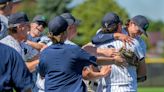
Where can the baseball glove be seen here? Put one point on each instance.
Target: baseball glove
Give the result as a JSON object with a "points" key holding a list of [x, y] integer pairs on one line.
{"points": [[129, 57]]}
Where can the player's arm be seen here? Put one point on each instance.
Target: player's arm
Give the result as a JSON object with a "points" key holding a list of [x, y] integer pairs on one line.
{"points": [[141, 71], [141, 67], [90, 73], [90, 48], [32, 65], [35, 45], [21, 76], [105, 56], [100, 38]]}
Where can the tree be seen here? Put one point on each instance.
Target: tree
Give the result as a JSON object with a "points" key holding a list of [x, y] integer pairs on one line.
{"points": [[90, 13], [156, 26], [48, 8], [51, 8], [27, 6]]}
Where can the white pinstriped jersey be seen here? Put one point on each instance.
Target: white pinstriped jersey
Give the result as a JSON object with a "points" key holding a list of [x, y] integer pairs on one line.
{"points": [[121, 79], [139, 39]]}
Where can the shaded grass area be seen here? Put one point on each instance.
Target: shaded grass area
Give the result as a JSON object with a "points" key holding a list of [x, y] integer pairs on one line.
{"points": [[151, 89]]}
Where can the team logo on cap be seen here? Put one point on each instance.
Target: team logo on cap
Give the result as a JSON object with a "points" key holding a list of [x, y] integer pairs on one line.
{"points": [[146, 26], [106, 25]]}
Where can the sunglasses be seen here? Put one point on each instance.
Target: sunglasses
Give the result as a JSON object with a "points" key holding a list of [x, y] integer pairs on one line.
{"points": [[42, 23]]}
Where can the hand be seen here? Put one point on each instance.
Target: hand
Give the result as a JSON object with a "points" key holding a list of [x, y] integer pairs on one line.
{"points": [[105, 70], [43, 48], [124, 38], [119, 60], [90, 48]]}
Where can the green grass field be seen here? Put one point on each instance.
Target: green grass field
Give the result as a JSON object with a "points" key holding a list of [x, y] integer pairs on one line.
{"points": [[151, 89]]}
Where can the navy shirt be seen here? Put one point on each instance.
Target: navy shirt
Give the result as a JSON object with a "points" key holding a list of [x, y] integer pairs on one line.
{"points": [[62, 65], [13, 71]]}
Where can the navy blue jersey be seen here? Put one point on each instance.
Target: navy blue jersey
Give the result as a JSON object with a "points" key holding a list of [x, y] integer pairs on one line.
{"points": [[61, 65], [13, 71]]}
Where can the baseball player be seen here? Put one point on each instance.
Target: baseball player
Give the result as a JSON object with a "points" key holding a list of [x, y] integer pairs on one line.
{"points": [[18, 27], [34, 44], [124, 78], [13, 71], [64, 74], [130, 29], [5, 10], [71, 33]]}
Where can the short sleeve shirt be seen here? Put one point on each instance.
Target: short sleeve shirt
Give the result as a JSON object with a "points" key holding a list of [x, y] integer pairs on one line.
{"points": [[13, 71], [61, 65]]}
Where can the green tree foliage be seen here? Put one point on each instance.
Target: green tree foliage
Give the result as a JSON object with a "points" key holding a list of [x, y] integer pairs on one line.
{"points": [[90, 13], [29, 7], [51, 8], [156, 26]]}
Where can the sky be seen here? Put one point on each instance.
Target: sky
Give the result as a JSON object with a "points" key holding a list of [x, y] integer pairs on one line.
{"points": [[153, 9]]}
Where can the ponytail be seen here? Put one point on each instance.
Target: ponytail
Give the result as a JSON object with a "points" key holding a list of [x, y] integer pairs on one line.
{"points": [[56, 39]]}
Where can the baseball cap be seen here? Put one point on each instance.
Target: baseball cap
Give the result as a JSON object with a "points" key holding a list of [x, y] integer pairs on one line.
{"points": [[142, 23], [109, 19], [17, 18], [4, 1], [70, 19], [16, 1], [57, 25], [40, 19]]}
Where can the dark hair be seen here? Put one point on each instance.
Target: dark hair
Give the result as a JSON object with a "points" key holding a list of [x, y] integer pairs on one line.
{"points": [[12, 30], [127, 23], [113, 28]]}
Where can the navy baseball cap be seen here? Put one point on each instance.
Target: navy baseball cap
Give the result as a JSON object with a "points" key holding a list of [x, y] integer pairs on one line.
{"points": [[109, 19], [142, 23], [70, 19], [40, 19], [17, 18], [57, 25], [4, 1]]}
